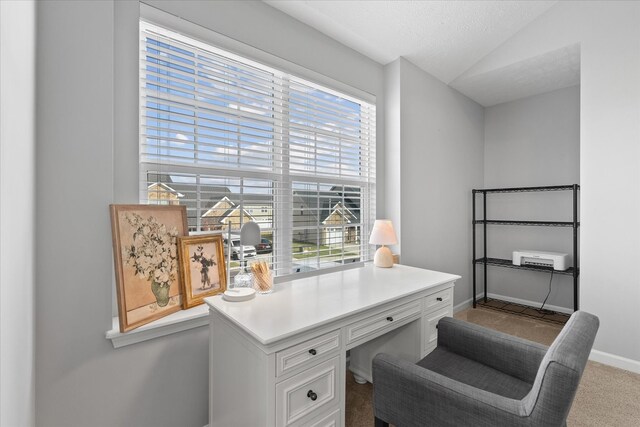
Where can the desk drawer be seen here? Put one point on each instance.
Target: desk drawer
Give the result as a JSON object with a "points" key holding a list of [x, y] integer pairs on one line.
{"points": [[306, 353], [430, 327], [380, 321], [438, 300], [331, 420], [306, 394]]}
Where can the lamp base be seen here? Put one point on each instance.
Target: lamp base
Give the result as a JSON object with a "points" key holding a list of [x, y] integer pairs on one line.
{"points": [[383, 257]]}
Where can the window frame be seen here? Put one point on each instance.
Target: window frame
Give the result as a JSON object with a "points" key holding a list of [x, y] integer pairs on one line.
{"points": [[126, 162], [281, 224]]}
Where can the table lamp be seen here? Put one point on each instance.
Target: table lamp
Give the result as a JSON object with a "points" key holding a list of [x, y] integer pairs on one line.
{"points": [[250, 234], [383, 234]]}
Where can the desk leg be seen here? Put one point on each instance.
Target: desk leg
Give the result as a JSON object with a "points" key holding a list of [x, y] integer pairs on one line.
{"points": [[359, 379]]}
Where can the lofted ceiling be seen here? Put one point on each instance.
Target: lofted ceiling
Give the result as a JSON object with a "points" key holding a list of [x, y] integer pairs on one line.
{"points": [[444, 38]]}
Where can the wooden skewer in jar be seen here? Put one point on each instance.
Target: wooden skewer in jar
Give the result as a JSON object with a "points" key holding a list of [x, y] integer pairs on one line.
{"points": [[262, 278]]}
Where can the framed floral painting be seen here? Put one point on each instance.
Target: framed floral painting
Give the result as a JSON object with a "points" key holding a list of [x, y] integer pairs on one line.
{"points": [[202, 268], [145, 252]]}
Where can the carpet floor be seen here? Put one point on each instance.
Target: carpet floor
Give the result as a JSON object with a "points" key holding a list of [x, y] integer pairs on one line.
{"points": [[606, 396]]}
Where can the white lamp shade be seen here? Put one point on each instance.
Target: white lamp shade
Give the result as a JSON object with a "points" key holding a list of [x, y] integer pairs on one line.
{"points": [[383, 233], [250, 234]]}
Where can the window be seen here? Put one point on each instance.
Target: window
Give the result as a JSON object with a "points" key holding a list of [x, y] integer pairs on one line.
{"points": [[237, 141]]}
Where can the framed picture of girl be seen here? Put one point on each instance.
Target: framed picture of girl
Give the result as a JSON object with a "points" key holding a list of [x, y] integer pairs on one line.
{"points": [[202, 268]]}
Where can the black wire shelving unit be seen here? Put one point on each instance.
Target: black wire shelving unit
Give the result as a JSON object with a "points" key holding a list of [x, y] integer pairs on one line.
{"points": [[487, 261]]}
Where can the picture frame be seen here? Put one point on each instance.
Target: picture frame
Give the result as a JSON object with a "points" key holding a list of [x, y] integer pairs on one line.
{"points": [[145, 253], [202, 268]]}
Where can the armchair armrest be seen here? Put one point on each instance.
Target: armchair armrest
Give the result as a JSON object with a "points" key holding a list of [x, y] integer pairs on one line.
{"points": [[406, 394], [512, 355]]}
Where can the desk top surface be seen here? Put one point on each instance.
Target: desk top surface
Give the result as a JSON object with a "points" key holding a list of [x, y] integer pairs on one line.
{"points": [[303, 304]]}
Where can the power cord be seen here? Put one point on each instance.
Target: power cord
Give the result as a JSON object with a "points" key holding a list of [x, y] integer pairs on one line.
{"points": [[541, 309]]}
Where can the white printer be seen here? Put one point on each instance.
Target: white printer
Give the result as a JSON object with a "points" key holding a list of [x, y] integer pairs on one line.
{"points": [[556, 260]]}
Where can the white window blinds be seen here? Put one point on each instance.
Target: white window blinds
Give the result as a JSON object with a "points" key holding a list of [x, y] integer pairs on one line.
{"points": [[238, 141]]}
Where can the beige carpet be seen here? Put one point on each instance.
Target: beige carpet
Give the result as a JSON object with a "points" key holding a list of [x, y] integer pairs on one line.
{"points": [[606, 396]]}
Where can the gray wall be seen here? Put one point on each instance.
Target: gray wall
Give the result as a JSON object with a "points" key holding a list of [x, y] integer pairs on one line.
{"points": [[609, 38], [86, 159], [17, 212], [440, 145], [531, 142], [86, 135]]}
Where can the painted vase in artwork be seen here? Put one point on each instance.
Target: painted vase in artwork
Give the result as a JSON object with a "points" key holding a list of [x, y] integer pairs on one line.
{"points": [[153, 254], [161, 293]]}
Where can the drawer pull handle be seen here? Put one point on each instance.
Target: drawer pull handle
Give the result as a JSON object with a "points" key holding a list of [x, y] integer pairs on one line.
{"points": [[439, 299], [390, 319], [311, 395], [312, 351]]}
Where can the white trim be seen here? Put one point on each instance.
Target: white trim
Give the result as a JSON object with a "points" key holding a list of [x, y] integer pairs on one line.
{"points": [[233, 210], [527, 302], [463, 305], [177, 322], [204, 215], [162, 184], [469, 302], [335, 208], [615, 361]]}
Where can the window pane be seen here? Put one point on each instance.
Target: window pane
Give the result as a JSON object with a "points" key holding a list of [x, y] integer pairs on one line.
{"points": [[236, 141], [326, 225]]}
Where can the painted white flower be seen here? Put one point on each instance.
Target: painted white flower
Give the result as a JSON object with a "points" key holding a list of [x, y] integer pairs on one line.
{"points": [[153, 253]]}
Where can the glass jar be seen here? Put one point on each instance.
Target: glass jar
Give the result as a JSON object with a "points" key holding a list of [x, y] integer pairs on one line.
{"points": [[244, 279], [263, 280]]}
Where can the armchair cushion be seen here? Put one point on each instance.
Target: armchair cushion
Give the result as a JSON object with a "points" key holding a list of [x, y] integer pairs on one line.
{"points": [[514, 356], [407, 395], [475, 374]]}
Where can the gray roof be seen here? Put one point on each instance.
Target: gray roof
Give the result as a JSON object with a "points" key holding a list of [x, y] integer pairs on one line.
{"points": [[213, 194]]}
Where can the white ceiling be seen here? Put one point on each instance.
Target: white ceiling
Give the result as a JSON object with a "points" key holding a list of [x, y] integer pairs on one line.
{"points": [[444, 38], [543, 73]]}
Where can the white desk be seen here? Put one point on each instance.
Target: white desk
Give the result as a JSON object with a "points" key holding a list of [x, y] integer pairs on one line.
{"points": [[280, 359]]}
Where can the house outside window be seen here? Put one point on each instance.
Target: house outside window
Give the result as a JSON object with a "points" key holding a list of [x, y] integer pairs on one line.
{"points": [[235, 141]]}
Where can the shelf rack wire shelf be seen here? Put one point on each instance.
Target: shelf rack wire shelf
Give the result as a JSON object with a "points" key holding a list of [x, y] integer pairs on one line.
{"points": [[529, 189], [507, 263], [534, 223], [486, 261]]}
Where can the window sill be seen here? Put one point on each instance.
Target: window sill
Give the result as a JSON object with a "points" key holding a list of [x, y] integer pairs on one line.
{"points": [[176, 322], [195, 317]]}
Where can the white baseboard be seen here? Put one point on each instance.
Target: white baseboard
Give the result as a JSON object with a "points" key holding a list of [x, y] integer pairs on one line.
{"points": [[615, 361], [463, 305], [526, 302], [469, 302]]}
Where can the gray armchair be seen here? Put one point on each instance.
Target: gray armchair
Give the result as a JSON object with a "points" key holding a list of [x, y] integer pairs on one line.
{"points": [[481, 377]]}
